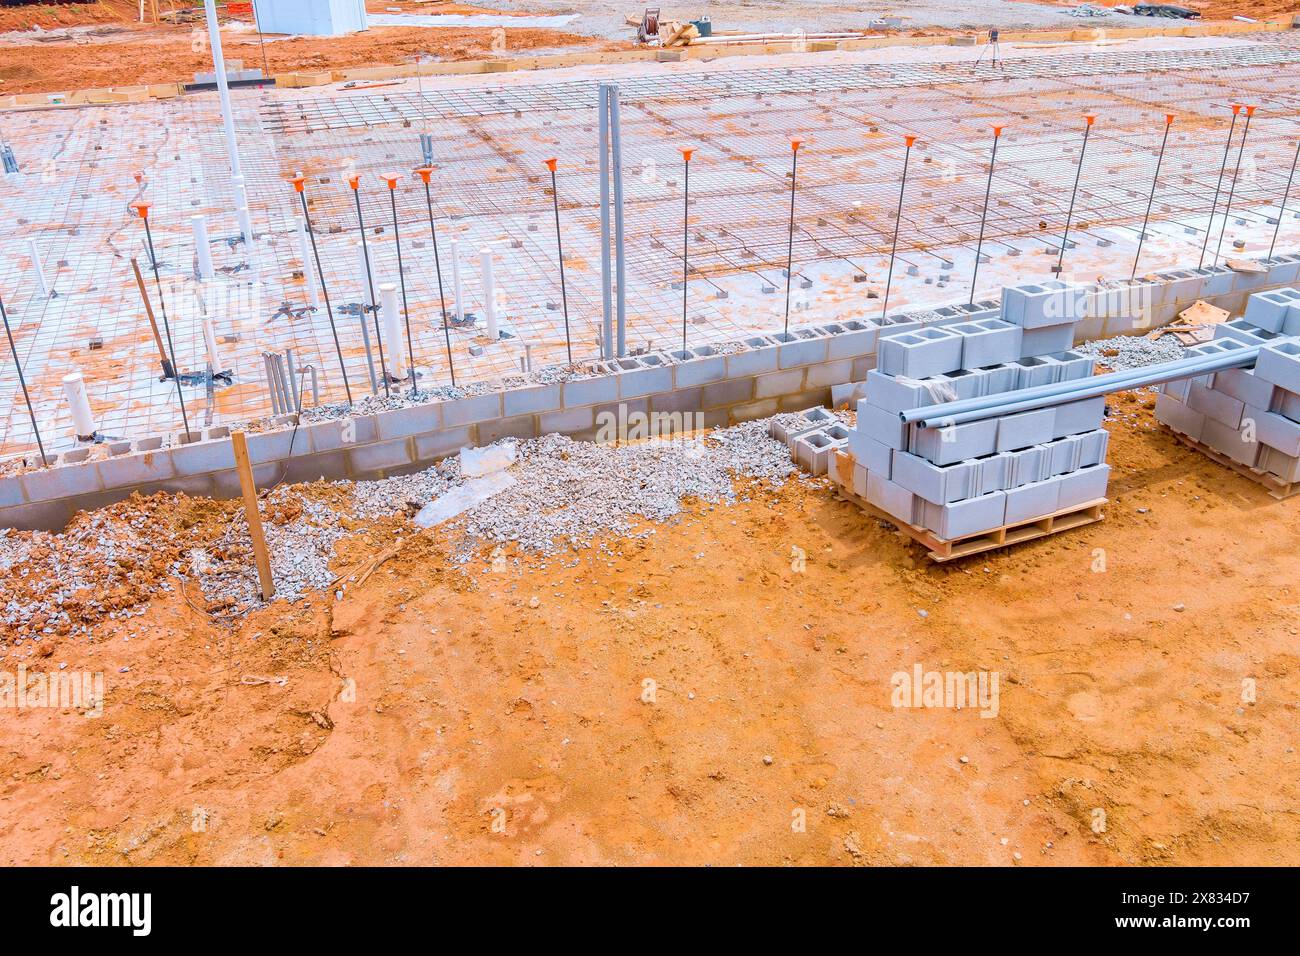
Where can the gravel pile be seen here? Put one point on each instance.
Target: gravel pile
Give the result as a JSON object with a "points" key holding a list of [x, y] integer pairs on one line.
{"points": [[1124, 352]]}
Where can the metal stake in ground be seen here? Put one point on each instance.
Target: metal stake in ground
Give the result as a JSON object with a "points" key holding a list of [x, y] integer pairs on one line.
{"points": [[686, 219], [1160, 158], [789, 249], [1078, 173], [1232, 187], [424, 173], [355, 182], [401, 276], [299, 187], [988, 191], [898, 218], [142, 209], [23, 382], [1209, 226], [1285, 194], [559, 250]]}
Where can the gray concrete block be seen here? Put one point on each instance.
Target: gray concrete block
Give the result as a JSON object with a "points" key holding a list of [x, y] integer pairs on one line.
{"points": [[994, 473], [567, 422], [1074, 418], [943, 446], [1036, 305], [1215, 404], [637, 379], [343, 433], [1268, 310], [1025, 428], [196, 458], [682, 400], [1179, 417], [731, 391], [1231, 442], [1279, 464], [1047, 339], [882, 425], [1279, 363], [61, 481], [873, 455], [530, 401], [920, 353], [1276, 431], [397, 423], [940, 484], [752, 362], [1243, 332], [700, 371], [858, 338], [861, 366], [1082, 486], [794, 349], [589, 391], [1032, 501], [751, 410], [828, 374], [894, 499], [379, 456], [126, 470], [988, 342], [274, 445], [964, 518], [466, 411], [779, 383], [812, 450], [439, 444], [1093, 446], [522, 427], [11, 491]]}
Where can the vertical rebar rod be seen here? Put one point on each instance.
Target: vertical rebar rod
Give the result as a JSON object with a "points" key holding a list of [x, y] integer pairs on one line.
{"points": [[1285, 194], [988, 192], [1160, 158], [401, 277], [143, 210], [606, 260], [559, 250], [789, 249], [1078, 174], [686, 221], [424, 173], [898, 219], [22, 381], [620, 263], [1232, 187], [298, 184], [370, 284], [1227, 148]]}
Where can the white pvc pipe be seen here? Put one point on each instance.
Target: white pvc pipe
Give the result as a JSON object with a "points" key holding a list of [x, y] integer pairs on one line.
{"points": [[74, 389], [363, 274], [392, 316], [201, 246], [37, 268], [308, 270], [210, 340], [455, 279], [489, 293], [227, 118]]}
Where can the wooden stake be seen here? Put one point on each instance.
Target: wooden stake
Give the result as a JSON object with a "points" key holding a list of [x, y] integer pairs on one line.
{"points": [[260, 554], [168, 371]]}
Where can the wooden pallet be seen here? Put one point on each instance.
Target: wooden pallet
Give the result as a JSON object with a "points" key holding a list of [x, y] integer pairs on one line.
{"points": [[1274, 485], [951, 549]]}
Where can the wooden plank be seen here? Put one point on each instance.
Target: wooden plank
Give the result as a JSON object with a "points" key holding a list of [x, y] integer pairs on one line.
{"points": [[260, 554], [168, 371]]}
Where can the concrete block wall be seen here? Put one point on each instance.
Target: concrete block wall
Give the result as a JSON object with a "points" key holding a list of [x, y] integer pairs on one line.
{"points": [[721, 383], [1249, 415]]}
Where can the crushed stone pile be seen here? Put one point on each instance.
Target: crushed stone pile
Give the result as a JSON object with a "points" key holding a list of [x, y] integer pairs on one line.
{"points": [[1124, 352]]}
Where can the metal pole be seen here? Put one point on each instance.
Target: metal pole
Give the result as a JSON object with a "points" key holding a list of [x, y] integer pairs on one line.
{"points": [[299, 185], [401, 276], [424, 173], [227, 116], [1282, 212], [988, 192], [1078, 174], [355, 183], [620, 272], [1209, 227], [898, 219], [1160, 158], [559, 248], [606, 267], [789, 249], [23, 382], [142, 208], [1232, 187], [686, 222]]}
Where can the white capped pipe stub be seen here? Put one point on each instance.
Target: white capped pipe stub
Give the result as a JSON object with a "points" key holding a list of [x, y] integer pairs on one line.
{"points": [[489, 293], [455, 279], [74, 389], [210, 340], [308, 270], [394, 347], [37, 268], [202, 248]]}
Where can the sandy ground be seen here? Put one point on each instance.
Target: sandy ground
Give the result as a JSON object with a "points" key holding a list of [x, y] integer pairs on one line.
{"points": [[439, 716]]}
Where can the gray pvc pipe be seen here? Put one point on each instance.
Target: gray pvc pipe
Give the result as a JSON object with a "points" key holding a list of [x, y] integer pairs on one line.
{"points": [[935, 416]]}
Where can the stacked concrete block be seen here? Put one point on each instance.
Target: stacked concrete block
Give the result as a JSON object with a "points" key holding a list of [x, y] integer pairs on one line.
{"points": [[1046, 313], [977, 476], [1249, 415]]}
